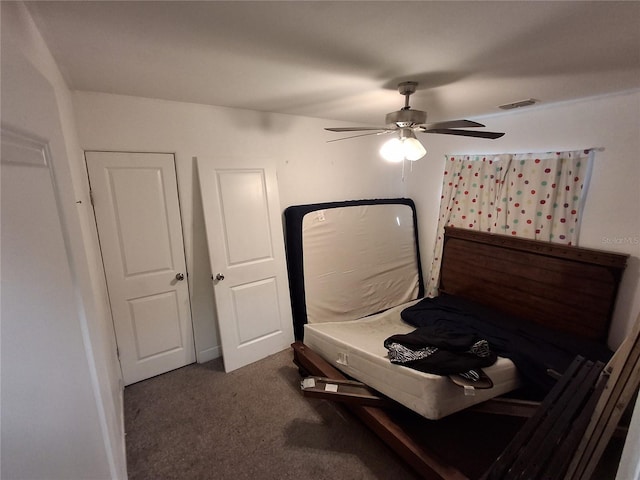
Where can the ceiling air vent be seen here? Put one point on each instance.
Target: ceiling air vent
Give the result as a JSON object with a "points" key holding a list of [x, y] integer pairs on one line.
{"points": [[521, 103]]}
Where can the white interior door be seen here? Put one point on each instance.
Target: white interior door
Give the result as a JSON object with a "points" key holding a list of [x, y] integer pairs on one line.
{"points": [[246, 251], [137, 212]]}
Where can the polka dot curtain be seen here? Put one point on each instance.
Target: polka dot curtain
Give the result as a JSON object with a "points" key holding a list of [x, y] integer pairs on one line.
{"points": [[536, 196]]}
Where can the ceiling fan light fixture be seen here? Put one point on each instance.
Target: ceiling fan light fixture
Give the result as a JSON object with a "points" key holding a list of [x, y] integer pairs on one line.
{"points": [[392, 150], [406, 122], [413, 149], [406, 147]]}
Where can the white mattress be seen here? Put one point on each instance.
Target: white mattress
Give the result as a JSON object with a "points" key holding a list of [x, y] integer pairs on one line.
{"points": [[356, 348]]}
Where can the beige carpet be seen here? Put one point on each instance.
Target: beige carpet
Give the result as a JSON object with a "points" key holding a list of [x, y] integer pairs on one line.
{"points": [[200, 423]]}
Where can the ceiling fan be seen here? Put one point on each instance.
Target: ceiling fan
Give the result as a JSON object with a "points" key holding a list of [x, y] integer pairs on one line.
{"points": [[407, 122]]}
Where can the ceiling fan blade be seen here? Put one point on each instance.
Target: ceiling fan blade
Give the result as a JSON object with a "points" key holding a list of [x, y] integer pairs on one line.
{"points": [[451, 124], [361, 135], [465, 133], [355, 129]]}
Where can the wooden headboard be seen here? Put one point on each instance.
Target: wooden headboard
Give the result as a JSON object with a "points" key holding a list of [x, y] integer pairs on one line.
{"points": [[570, 289]]}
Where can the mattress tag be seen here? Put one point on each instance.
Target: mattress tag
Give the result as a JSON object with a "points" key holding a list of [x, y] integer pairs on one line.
{"points": [[308, 382], [343, 359], [320, 215], [331, 387], [469, 391]]}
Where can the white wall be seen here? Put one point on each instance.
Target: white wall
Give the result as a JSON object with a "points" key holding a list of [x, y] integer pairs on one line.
{"points": [[309, 169], [611, 219], [29, 72]]}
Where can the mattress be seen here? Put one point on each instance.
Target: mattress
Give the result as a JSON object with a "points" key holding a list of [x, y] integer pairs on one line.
{"points": [[356, 348], [348, 260]]}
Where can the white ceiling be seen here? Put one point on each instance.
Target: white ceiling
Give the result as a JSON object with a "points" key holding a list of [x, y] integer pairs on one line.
{"points": [[342, 60]]}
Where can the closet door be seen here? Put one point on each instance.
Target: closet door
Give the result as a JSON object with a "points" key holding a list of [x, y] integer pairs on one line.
{"points": [[135, 200]]}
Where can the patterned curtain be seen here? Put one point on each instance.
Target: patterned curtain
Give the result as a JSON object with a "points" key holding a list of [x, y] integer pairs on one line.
{"points": [[536, 196]]}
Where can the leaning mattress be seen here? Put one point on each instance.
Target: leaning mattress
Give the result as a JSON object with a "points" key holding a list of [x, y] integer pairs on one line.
{"points": [[356, 348]]}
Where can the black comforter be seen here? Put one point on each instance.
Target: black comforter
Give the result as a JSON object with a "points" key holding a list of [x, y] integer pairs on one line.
{"points": [[532, 348]]}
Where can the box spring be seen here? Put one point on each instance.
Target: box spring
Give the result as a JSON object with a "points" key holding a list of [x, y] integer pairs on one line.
{"points": [[356, 348]]}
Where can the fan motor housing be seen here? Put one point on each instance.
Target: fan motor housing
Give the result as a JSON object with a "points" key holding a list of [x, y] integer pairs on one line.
{"points": [[406, 118]]}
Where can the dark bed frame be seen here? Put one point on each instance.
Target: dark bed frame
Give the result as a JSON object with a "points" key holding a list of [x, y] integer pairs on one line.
{"points": [[563, 288]]}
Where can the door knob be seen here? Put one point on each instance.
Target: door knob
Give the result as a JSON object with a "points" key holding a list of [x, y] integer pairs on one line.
{"points": [[179, 276], [219, 277]]}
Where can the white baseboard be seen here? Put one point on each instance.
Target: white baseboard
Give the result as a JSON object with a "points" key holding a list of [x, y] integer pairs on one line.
{"points": [[209, 354]]}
